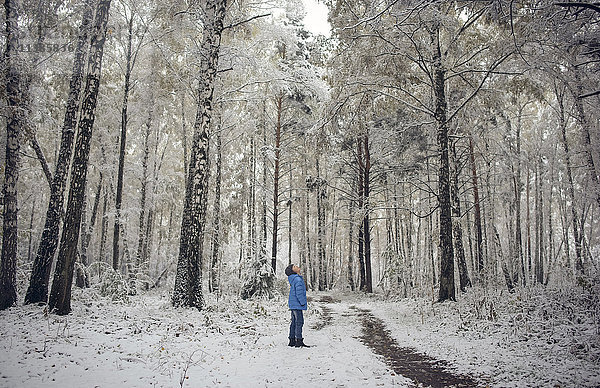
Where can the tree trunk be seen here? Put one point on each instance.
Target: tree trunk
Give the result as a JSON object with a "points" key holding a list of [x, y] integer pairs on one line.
{"points": [[320, 186], [40, 155], [86, 236], [188, 279], [216, 235], [184, 137], [103, 229], [81, 278], [447, 290], [306, 225], [141, 258], [457, 228], [518, 188], [40, 274], [304, 228], [124, 106], [571, 186], [351, 245], [366, 221], [528, 216], [15, 122], [428, 238], [361, 228], [60, 296], [263, 213], [278, 104], [476, 212], [589, 148], [30, 245], [289, 205], [250, 214], [539, 225], [507, 277]]}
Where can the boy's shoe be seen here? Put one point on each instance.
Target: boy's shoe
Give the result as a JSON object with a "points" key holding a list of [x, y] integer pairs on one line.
{"points": [[292, 342], [300, 343]]}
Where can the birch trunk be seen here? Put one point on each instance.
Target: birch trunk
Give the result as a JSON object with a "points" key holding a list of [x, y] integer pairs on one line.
{"points": [[15, 122], [60, 296], [40, 275], [188, 279]]}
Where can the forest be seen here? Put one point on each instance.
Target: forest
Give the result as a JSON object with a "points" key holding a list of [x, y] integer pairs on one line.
{"points": [[435, 152]]}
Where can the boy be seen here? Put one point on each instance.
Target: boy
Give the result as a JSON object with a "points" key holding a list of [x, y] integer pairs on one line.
{"points": [[297, 303]]}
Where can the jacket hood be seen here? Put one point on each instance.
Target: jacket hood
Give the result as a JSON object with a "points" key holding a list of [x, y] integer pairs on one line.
{"points": [[292, 277]]}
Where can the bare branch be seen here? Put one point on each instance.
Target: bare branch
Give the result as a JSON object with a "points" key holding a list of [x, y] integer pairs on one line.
{"points": [[245, 21], [371, 18], [594, 6], [590, 94]]}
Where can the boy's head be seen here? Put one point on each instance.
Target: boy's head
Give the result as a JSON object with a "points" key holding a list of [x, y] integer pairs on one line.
{"points": [[292, 269]]}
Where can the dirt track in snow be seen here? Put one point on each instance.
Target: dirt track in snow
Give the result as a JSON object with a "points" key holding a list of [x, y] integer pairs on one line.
{"points": [[423, 370]]}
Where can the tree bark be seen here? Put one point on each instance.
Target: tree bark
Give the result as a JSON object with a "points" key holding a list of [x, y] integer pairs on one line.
{"points": [[87, 232], [289, 206], [361, 228], [278, 105], [507, 276], [463, 271], [351, 245], [188, 279], [539, 224], [251, 205], [40, 274], [366, 221], [476, 212], [40, 155], [60, 296], [81, 278], [15, 122], [571, 186], [320, 187], [216, 235], [30, 245], [589, 148], [141, 258], [123, 142], [447, 290], [518, 188]]}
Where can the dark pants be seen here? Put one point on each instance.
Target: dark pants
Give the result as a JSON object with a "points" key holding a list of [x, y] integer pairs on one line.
{"points": [[296, 325]]}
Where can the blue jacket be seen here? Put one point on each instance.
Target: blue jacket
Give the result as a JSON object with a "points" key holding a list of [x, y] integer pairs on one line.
{"points": [[297, 299]]}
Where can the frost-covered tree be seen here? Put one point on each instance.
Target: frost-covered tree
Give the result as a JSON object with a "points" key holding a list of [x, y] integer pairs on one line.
{"points": [[60, 295], [188, 280]]}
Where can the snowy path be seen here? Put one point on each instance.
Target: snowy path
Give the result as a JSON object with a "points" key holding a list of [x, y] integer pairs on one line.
{"points": [[235, 343], [147, 343], [407, 362]]}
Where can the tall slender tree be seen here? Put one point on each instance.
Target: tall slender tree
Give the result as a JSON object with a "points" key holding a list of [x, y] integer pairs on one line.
{"points": [[60, 295], [16, 97], [40, 274], [276, 173], [188, 279]]}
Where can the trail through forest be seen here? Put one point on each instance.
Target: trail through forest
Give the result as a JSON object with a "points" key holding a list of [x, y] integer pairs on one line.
{"points": [[405, 361], [359, 340]]}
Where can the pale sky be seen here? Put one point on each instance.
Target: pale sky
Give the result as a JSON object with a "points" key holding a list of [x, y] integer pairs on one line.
{"points": [[316, 17]]}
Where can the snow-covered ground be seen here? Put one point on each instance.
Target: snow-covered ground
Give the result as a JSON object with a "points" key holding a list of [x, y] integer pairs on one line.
{"points": [[502, 340]]}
